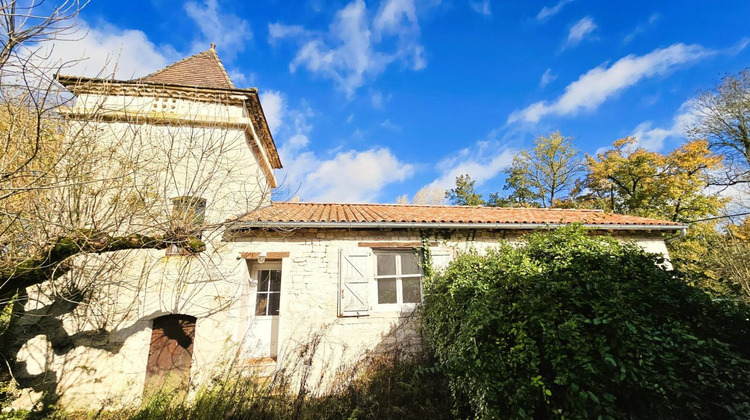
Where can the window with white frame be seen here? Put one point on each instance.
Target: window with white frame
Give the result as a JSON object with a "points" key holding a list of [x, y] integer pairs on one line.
{"points": [[268, 293], [398, 277]]}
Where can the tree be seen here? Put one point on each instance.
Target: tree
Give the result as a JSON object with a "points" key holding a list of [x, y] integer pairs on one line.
{"points": [[24, 25], [631, 180], [542, 175], [723, 118], [463, 194], [426, 196], [718, 255], [569, 325], [429, 196]]}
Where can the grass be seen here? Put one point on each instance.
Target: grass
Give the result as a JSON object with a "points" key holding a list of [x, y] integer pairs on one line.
{"points": [[383, 387]]}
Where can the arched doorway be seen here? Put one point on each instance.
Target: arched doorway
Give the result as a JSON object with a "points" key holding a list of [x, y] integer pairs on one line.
{"points": [[171, 353]]}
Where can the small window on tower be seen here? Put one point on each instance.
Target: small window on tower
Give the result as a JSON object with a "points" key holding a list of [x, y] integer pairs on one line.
{"points": [[188, 213]]}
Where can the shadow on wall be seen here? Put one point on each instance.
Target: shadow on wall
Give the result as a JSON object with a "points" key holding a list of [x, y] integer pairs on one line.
{"points": [[312, 368], [43, 326]]}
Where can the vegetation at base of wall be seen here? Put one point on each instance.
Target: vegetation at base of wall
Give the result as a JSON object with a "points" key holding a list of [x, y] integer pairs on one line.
{"points": [[387, 387], [569, 325]]}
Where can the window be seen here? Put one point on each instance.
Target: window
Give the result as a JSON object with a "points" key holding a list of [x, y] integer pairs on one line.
{"points": [[188, 211], [269, 292], [187, 214], [398, 277]]}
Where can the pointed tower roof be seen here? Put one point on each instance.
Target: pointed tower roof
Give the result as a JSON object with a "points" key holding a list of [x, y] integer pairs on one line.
{"points": [[203, 69]]}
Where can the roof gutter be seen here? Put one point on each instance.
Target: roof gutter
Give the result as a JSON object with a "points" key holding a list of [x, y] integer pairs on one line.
{"points": [[432, 225], [679, 237]]}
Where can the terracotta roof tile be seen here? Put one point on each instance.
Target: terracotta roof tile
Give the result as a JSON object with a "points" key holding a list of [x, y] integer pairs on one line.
{"points": [[203, 69], [290, 213]]}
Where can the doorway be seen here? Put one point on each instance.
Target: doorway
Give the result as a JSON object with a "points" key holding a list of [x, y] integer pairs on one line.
{"points": [[171, 354]]}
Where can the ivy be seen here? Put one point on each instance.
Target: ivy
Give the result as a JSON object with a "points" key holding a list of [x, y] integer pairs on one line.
{"points": [[426, 257], [568, 325]]}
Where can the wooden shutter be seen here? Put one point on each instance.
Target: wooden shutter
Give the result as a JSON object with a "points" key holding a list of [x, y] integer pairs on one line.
{"points": [[355, 276], [441, 257]]}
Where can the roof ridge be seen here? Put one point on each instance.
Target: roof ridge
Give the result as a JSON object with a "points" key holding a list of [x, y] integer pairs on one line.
{"points": [[221, 64], [312, 203]]}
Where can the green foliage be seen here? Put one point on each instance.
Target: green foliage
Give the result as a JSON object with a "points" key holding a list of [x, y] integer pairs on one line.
{"points": [[719, 259], [542, 175], [568, 325], [463, 194]]}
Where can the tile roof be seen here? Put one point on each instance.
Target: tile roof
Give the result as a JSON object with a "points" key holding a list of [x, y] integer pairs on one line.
{"points": [[203, 69], [289, 214]]}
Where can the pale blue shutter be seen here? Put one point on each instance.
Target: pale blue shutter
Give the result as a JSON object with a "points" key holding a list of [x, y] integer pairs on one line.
{"points": [[355, 277]]}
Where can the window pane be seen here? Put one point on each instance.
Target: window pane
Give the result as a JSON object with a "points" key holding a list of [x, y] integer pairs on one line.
{"points": [[409, 263], [411, 292], [275, 280], [387, 291], [273, 303], [263, 277], [386, 265], [261, 303]]}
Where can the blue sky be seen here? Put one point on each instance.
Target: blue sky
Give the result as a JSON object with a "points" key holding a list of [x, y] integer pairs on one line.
{"points": [[372, 100]]}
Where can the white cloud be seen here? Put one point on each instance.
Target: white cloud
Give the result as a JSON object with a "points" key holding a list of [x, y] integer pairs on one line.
{"points": [[597, 85], [354, 176], [274, 108], [105, 50], [355, 48], [482, 162], [346, 175], [641, 28], [277, 31], [378, 100], [547, 78], [230, 32], [653, 138], [390, 126], [481, 7], [579, 31], [102, 51], [551, 11], [396, 17]]}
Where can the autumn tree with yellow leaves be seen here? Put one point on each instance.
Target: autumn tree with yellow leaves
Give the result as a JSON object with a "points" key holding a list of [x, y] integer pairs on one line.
{"points": [[632, 180], [544, 174]]}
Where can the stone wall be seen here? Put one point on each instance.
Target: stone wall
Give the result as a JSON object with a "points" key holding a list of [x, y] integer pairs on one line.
{"points": [[95, 353]]}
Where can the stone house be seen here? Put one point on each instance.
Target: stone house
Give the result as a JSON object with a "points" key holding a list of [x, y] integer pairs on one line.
{"points": [[274, 275]]}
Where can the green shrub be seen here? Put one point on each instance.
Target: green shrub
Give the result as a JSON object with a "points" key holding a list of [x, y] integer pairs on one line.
{"points": [[569, 325]]}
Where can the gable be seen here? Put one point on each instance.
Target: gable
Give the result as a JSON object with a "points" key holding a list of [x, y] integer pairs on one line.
{"points": [[203, 70]]}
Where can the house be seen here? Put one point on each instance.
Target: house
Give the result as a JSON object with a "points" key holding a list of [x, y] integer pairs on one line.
{"points": [[273, 278]]}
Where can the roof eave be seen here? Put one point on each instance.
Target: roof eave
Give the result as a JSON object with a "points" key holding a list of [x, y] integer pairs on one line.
{"points": [[77, 81], [78, 85]]}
